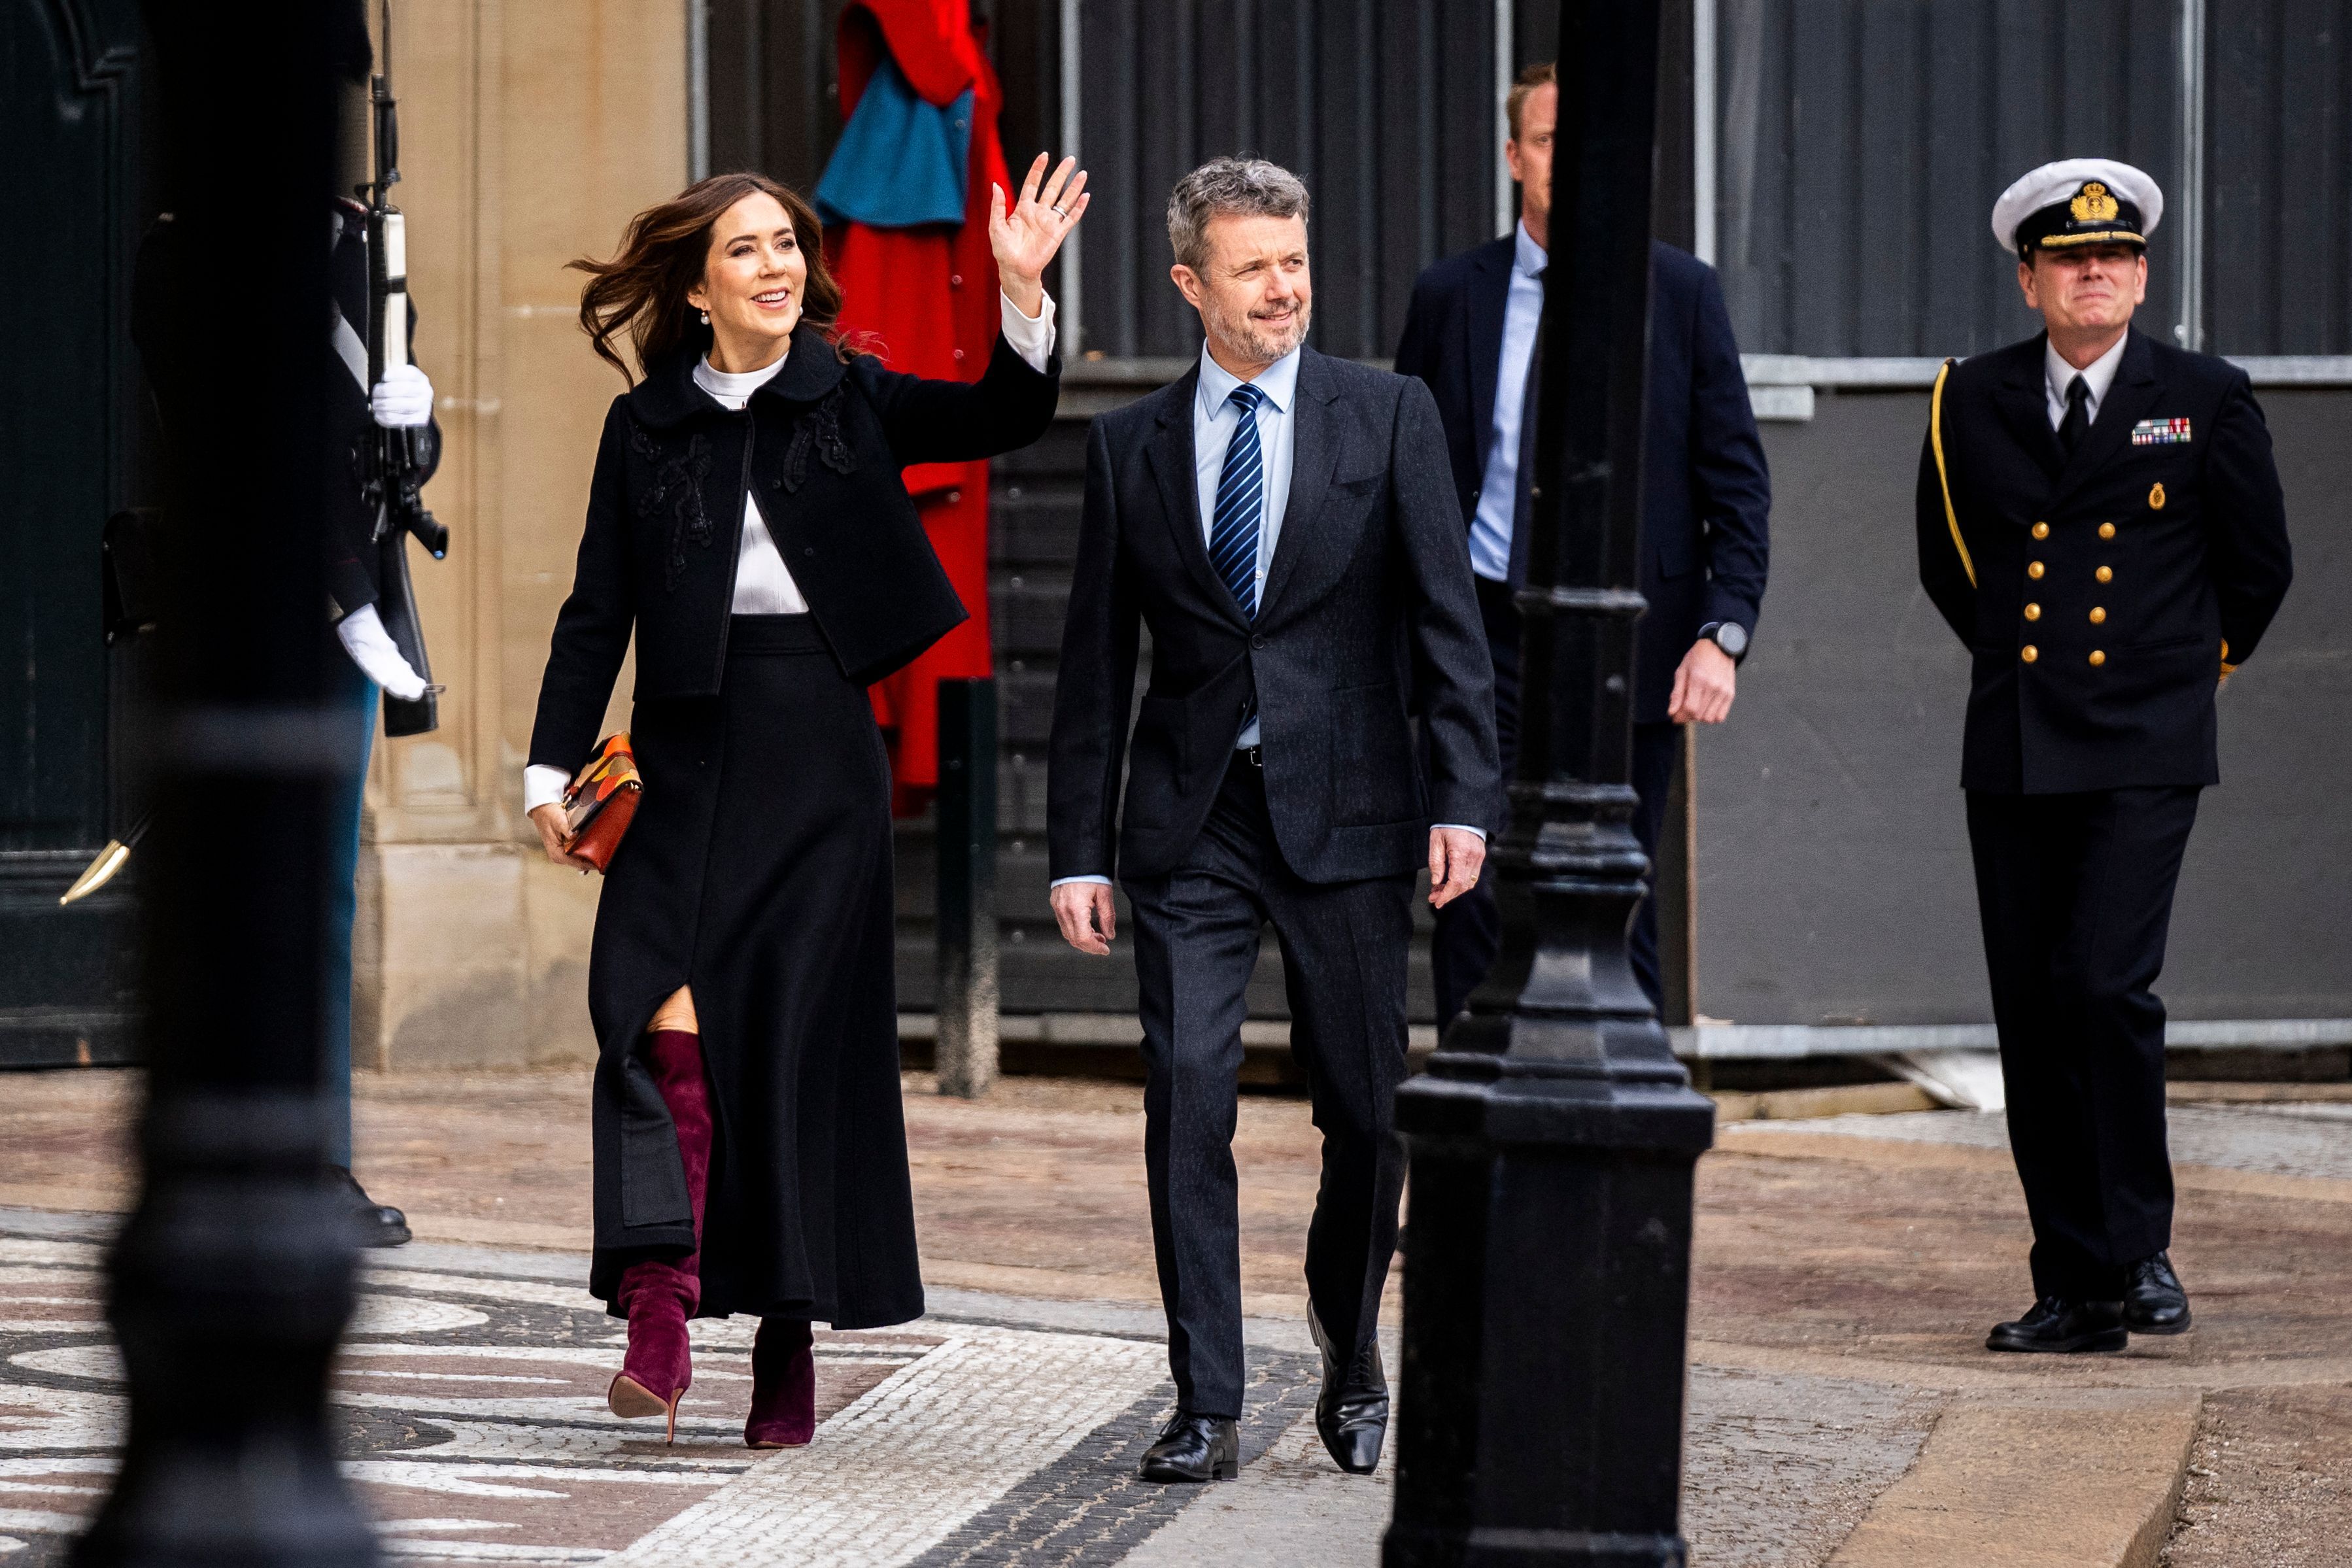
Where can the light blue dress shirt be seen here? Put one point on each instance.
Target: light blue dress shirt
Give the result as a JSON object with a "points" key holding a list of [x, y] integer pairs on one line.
{"points": [[1498, 490], [1214, 420]]}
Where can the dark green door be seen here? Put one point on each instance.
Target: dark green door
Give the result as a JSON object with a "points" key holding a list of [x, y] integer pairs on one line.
{"points": [[75, 446]]}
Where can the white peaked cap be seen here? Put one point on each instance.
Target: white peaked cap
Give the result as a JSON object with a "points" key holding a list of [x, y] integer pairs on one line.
{"points": [[2052, 184]]}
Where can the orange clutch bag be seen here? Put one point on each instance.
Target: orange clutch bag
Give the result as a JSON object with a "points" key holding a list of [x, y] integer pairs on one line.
{"points": [[601, 801]]}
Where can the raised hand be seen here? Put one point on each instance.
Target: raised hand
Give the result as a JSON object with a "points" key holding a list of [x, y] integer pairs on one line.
{"points": [[1025, 239]]}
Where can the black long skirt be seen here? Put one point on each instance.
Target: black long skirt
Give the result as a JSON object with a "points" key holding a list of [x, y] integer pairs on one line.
{"points": [[758, 870]]}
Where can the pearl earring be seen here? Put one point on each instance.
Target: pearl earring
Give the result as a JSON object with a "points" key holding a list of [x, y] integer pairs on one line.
{"points": [[706, 317]]}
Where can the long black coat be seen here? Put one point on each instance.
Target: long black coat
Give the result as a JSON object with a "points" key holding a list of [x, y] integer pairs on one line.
{"points": [[2191, 534], [1367, 620], [821, 446], [1707, 496]]}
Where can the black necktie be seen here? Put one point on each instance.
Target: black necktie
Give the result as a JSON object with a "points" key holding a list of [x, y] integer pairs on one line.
{"points": [[1522, 507], [2078, 416]]}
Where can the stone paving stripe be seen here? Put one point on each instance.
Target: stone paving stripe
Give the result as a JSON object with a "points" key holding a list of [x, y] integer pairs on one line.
{"points": [[925, 1450], [1090, 1511], [2073, 1478]]}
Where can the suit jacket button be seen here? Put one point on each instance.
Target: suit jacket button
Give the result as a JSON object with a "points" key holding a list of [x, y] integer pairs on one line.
{"points": [[2098, 615], [1257, 642], [2032, 611], [2097, 659], [810, 551], [2028, 653], [2033, 569], [775, 484], [2105, 573], [2107, 530], [2041, 531]]}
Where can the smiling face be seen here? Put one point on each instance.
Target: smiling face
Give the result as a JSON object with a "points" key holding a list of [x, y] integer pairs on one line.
{"points": [[2091, 289], [753, 281], [1255, 293]]}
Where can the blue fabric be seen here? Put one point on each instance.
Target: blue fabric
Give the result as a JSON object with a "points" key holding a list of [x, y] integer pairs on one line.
{"points": [[351, 701], [900, 161], [1241, 498]]}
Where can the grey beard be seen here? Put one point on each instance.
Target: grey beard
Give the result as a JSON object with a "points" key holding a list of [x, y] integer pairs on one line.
{"points": [[1260, 346]]}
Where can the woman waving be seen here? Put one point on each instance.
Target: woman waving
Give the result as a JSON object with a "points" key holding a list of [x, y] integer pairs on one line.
{"points": [[748, 526]]}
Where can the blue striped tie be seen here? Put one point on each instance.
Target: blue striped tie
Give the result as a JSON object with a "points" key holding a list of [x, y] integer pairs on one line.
{"points": [[1241, 499]]}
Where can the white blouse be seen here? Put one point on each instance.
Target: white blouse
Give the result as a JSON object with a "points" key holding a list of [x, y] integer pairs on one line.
{"points": [[763, 584]]}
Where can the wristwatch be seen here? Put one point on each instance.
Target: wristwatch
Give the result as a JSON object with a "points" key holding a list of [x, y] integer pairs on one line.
{"points": [[1728, 636]]}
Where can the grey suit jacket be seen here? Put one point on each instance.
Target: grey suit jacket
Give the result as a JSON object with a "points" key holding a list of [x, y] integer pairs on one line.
{"points": [[1368, 623]]}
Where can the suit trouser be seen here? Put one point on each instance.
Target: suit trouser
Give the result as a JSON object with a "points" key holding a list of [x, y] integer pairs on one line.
{"points": [[1344, 947], [1470, 928], [2075, 892], [350, 706]]}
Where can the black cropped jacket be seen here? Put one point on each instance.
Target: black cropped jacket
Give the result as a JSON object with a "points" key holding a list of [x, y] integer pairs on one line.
{"points": [[821, 446]]}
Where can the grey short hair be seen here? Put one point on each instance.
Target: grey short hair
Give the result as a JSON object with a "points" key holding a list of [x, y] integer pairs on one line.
{"points": [[1240, 187]]}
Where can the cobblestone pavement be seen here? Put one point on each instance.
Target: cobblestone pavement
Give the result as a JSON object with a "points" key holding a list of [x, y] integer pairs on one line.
{"points": [[1844, 1272]]}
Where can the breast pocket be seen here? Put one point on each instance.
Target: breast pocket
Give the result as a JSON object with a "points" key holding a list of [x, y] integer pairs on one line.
{"points": [[1373, 779]]}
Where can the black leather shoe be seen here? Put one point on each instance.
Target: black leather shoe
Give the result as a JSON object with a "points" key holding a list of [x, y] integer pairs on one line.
{"points": [[1352, 1412], [372, 1224], [2154, 1302], [1194, 1448], [2063, 1326]]}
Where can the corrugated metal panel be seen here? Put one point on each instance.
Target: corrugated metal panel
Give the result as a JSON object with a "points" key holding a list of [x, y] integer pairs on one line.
{"points": [[2279, 135], [1384, 107], [1863, 145]]}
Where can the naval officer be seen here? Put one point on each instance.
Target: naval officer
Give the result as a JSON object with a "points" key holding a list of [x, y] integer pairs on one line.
{"points": [[2100, 520]]}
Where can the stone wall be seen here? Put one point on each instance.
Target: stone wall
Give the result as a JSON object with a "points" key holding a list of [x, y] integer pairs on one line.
{"points": [[530, 131]]}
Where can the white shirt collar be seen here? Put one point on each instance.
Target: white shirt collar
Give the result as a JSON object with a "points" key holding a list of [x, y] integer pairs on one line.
{"points": [[731, 384], [1527, 257], [1278, 381], [2097, 375]]}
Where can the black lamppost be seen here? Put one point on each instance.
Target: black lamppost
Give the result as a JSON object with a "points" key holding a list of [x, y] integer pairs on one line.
{"points": [[231, 1282], [1553, 1138]]}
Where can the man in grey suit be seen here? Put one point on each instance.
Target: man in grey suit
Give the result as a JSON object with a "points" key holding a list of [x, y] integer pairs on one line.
{"points": [[1284, 522]]}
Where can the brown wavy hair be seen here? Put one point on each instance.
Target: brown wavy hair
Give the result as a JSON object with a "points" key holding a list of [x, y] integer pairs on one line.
{"points": [[665, 252]]}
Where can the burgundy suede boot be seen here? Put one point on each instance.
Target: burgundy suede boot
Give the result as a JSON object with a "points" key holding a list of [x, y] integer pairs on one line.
{"points": [[658, 1297], [783, 1386]]}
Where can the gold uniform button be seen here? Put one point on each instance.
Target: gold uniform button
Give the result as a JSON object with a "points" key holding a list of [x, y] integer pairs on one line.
{"points": [[2097, 659], [2033, 569], [2107, 530], [2032, 611], [2098, 615], [2028, 653], [2105, 573], [2041, 531]]}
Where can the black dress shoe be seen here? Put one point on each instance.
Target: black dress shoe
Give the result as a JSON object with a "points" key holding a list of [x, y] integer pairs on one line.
{"points": [[1194, 1448], [1352, 1412], [372, 1224], [2063, 1326], [2154, 1302]]}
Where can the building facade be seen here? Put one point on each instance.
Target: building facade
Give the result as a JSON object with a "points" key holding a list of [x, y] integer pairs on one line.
{"points": [[1835, 161]]}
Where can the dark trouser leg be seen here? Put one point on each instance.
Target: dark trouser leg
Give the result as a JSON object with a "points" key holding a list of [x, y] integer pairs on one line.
{"points": [[351, 699], [1196, 940], [1656, 748], [1343, 952], [1470, 928], [2075, 893]]}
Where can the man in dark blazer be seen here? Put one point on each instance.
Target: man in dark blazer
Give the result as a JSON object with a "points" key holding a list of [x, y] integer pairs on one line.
{"points": [[2100, 523], [1281, 521], [1471, 334]]}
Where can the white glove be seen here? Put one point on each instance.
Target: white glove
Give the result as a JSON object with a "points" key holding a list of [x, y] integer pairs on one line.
{"points": [[403, 399], [372, 649]]}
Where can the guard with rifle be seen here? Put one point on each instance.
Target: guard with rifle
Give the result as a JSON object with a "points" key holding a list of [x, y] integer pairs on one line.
{"points": [[381, 413]]}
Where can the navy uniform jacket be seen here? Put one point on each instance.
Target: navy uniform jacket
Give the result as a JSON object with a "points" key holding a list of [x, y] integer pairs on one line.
{"points": [[2102, 596], [1706, 494]]}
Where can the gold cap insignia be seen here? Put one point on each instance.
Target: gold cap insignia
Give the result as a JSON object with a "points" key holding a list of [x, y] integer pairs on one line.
{"points": [[2095, 204], [2155, 497]]}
